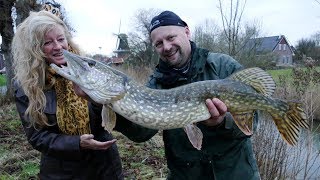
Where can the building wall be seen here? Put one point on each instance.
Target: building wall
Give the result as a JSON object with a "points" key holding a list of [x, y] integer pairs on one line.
{"points": [[284, 53]]}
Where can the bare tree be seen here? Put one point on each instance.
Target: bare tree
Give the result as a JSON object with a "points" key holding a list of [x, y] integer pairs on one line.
{"points": [[140, 41], [231, 24], [316, 38], [308, 48], [23, 8], [206, 35], [235, 34], [237, 37]]}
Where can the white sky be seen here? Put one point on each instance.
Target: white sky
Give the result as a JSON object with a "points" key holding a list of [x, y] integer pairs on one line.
{"points": [[97, 20]]}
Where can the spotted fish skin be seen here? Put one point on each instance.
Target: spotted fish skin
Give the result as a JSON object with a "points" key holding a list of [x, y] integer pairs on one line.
{"points": [[243, 93]]}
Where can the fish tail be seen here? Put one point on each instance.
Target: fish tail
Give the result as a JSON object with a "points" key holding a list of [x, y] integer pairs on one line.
{"points": [[289, 122]]}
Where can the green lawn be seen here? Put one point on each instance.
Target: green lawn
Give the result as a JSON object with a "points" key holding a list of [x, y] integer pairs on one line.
{"points": [[3, 80], [277, 73], [284, 72], [280, 72]]}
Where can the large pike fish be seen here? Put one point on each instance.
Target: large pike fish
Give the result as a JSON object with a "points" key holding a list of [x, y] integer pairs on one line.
{"points": [[243, 93]]}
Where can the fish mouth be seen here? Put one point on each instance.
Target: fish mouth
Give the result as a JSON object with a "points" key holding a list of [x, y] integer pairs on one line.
{"points": [[76, 65], [78, 61], [62, 70]]}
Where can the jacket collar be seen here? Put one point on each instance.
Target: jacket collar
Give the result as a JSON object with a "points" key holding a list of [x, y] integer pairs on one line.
{"points": [[169, 76]]}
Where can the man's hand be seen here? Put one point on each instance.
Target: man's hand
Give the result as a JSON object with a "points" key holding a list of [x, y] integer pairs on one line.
{"points": [[217, 109], [87, 142]]}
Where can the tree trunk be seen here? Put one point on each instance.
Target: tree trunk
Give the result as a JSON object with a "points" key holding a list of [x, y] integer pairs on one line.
{"points": [[23, 7], [6, 31]]}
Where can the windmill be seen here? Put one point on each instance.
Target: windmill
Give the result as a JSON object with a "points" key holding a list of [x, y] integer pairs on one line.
{"points": [[122, 51]]}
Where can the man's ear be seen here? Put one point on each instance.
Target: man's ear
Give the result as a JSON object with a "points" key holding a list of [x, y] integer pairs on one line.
{"points": [[187, 30]]}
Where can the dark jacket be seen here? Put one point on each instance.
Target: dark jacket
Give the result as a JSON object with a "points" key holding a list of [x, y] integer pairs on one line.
{"points": [[226, 152], [61, 156]]}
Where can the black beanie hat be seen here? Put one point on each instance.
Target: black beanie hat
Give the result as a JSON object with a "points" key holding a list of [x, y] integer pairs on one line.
{"points": [[166, 18]]}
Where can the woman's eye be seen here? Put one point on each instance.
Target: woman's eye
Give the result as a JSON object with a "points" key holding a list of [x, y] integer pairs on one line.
{"points": [[47, 42], [61, 39]]}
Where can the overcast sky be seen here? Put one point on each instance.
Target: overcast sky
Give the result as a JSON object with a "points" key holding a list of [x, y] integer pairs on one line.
{"points": [[96, 21]]}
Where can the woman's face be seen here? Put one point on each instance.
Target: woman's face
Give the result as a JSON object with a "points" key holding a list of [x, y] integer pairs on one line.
{"points": [[54, 44]]}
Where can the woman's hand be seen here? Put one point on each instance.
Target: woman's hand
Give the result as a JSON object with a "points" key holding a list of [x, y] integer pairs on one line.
{"points": [[217, 109], [79, 91], [87, 142]]}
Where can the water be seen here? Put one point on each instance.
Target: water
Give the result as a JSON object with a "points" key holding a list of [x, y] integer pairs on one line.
{"points": [[296, 159], [309, 149], [306, 153], [316, 134]]}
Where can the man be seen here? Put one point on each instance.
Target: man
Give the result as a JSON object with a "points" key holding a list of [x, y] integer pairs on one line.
{"points": [[226, 152]]}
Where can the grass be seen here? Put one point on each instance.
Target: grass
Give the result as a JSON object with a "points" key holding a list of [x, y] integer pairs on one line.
{"points": [[281, 72], [142, 160], [287, 73], [3, 80], [18, 160]]}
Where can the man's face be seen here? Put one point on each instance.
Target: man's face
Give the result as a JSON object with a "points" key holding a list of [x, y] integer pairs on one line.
{"points": [[172, 44]]}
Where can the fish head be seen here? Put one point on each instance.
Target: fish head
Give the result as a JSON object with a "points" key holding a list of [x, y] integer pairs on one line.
{"points": [[102, 83]]}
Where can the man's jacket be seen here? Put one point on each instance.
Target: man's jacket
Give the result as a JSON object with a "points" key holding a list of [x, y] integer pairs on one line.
{"points": [[226, 152]]}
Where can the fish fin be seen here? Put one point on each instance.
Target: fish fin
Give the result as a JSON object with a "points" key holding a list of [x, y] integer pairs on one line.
{"points": [[244, 121], [108, 118], [257, 78], [290, 123], [195, 135]]}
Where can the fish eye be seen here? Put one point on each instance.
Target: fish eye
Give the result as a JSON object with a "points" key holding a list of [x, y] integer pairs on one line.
{"points": [[90, 62]]}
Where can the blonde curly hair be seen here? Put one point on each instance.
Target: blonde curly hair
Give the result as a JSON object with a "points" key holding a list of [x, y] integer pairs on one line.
{"points": [[29, 62]]}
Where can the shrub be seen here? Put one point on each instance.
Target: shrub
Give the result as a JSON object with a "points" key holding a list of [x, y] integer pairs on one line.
{"points": [[277, 160]]}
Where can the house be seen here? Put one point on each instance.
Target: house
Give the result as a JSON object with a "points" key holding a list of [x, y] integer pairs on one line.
{"points": [[275, 45], [114, 60]]}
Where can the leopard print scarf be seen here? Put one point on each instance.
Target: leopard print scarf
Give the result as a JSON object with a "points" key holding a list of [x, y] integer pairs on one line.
{"points": [[72, 111]]}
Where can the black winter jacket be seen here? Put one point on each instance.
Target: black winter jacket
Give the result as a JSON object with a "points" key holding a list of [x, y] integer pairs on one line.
{"points": [[61, 156], [226, 152]]}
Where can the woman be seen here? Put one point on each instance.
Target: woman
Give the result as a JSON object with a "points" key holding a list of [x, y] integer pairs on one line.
{"points": [[65, 128]]}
